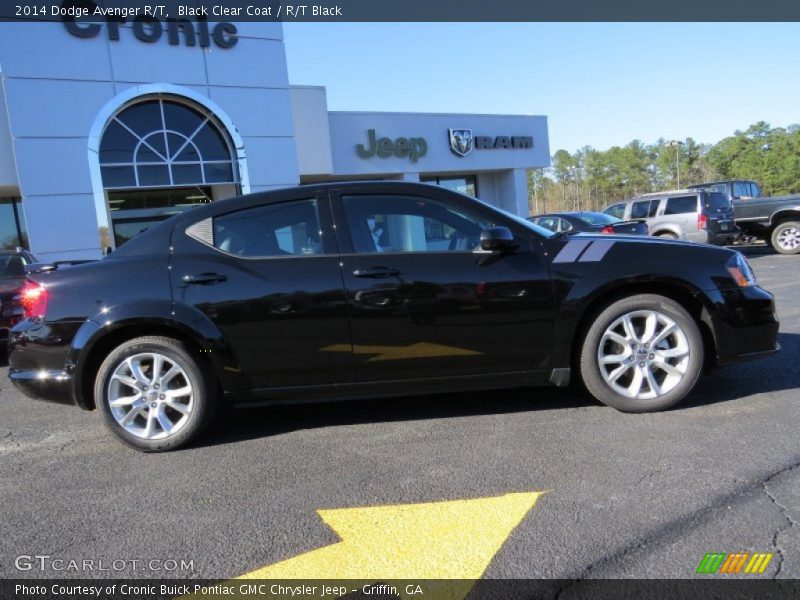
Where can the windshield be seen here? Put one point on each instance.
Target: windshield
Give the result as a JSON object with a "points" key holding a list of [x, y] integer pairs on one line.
{"points": [[11, 265], [716, 202], [597, 218]]}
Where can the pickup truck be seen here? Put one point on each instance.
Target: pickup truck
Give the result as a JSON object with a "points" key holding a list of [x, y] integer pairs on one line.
{"points": [[775, 219]]}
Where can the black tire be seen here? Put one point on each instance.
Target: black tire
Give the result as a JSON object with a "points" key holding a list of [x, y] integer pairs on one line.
{"points": [[590, 367], [667, 235], [204, 402], [783, 229]]}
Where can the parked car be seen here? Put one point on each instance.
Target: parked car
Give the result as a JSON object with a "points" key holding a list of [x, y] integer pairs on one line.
{"points": [[12, 278], [695, 215], [181, 319], [591, 222], [774, 219]]}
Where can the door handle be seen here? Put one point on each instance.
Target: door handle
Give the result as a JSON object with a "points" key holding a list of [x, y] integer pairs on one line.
{"points": [[205, 278], [376, 273]]}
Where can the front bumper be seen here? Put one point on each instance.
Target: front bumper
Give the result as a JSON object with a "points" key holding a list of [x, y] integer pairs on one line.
{"points": [[743, 323]]}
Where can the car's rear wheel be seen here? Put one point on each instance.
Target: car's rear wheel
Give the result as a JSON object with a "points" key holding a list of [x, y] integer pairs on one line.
{"points": [[785, 237], [642, 353], [153, 395]]}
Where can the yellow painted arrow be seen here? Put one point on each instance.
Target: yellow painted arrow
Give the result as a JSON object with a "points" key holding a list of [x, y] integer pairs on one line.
{"points": [[438, 540]]}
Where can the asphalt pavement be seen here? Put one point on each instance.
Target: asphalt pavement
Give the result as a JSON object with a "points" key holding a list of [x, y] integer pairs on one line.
{"points": [[622, 495]]}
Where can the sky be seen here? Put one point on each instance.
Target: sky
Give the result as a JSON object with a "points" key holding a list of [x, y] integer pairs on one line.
{"points": [[599, 84]]}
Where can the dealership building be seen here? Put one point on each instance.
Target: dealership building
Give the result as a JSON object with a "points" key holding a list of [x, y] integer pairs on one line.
{"points": [[107, 128]]}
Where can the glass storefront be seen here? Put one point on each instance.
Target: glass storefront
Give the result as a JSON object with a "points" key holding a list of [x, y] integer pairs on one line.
{"points": [[134, 211], [465, 185], [13, 232]]}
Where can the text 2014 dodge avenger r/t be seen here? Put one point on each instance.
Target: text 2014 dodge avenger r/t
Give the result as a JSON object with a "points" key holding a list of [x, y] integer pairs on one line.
{"points": [[371, 290]]}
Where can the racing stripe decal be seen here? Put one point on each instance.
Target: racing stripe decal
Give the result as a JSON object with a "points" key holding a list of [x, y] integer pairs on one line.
{"points": [[571, 251], [583, 251], [596, 251]]}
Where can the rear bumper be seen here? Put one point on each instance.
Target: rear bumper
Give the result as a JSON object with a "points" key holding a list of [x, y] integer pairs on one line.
{"points": [[38, 360], [51, 386], [744, 325]]}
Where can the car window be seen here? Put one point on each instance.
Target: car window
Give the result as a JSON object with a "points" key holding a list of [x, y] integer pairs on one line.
{"points": [[283, 229], [549, 223], [653, 211], [640, 210], [395, 223], [616, 210], [742, 189], [714, 202], [680, 205], [564, 226], [12, 265]]}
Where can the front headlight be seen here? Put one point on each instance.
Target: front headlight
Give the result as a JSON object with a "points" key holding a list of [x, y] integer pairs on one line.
{"points": [[741, 271]]}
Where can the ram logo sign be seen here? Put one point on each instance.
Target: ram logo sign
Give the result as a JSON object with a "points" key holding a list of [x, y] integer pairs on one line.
{"points": [[462, 142]]}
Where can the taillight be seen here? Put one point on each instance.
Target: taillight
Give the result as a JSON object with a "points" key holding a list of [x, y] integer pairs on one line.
{"points": [[702, 221], [607, 229], [33, 298]]}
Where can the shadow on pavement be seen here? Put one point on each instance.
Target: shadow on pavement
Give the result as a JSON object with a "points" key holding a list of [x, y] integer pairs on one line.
{"points": [[777, 373], [722, 385]]}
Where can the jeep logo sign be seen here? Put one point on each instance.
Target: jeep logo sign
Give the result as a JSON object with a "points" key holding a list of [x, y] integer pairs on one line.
{"points": [[414, 148], [462, 142]]}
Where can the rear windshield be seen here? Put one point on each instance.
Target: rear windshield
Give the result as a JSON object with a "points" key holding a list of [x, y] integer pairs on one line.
{"points": [[716, 202], [597, 218]]}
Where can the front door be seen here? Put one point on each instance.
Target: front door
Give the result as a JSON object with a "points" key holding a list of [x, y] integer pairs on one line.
{"points": [[268, 277], [425, 301]]}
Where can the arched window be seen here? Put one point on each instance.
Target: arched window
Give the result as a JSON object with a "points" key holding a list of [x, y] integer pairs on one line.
{"points": [[161, 142]]}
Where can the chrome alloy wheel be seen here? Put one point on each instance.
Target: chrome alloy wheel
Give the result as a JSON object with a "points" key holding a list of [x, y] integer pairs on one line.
{"points": [[150, 396], [643, 354], [789, 238]]}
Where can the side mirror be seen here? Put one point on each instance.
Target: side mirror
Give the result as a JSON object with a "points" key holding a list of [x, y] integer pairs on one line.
{"points": [[497, 239]]}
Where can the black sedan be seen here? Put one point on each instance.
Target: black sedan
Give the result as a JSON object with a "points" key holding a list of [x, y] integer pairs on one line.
{"points": [[589, 222], [12, 278], [375, 289]]}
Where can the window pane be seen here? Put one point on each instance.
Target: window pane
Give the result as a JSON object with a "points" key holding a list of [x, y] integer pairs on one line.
{"points": [[153, 175], [148, 151], [143, 118], [181, 118], [182, 174], [285, 229], [681, 205], [653, 208], [9, 237], [211, 144], [639, 210], [117, 144], [618, 210], [219, 173], [114, 177], [409, 224], [188, 154]]}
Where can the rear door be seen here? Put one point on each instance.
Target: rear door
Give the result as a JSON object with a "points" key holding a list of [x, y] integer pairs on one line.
{"points": [[268, 277], [425, 302], [681, 211]]}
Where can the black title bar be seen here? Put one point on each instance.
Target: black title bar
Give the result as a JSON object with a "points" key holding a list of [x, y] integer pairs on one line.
{"points": [[406, 10]]}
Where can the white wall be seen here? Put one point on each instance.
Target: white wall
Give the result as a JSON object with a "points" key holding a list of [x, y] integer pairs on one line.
{"points": [[311, 130], [56, 84]]}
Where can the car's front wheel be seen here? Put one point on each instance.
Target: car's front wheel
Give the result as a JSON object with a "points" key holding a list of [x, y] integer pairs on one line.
{"points": [[642, 353], [785, 237], [153, 395]]}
